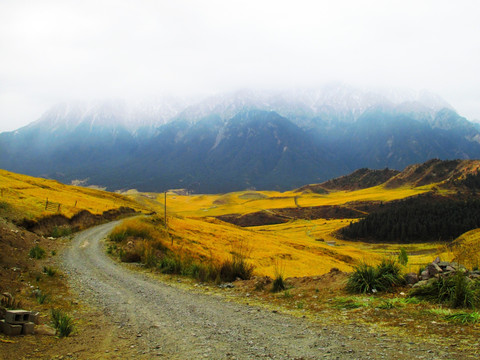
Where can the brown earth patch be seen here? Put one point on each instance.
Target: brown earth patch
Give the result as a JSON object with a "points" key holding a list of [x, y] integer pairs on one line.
{"points": [[280, 216], [94, 336], [82, 220]]}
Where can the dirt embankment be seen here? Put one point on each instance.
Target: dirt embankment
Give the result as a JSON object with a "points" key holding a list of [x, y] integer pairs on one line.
{"points": [[279, 216], [82, 220]]}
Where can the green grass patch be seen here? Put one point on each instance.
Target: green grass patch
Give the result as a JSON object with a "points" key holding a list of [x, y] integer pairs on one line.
{"points": [[457, 291], [49, 271], [62, 323], [37, 252], [369, 279], [41, 296], [464, 317], [394, 303], [119, 235], [60, 231], [350, 302]]}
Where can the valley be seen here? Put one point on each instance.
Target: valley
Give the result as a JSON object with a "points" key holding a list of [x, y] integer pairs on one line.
{"points": [[295, 234]]}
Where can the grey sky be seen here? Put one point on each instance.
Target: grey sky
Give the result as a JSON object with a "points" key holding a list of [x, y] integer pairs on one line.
{"points": [[58, 50]]}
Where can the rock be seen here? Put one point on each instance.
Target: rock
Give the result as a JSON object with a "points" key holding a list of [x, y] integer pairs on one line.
{"points": [[433, 269], [449, 268], [411, 278], [443, 264], [226, 286], [421, 283], [424, 275], [45, 330], [437, 260]]}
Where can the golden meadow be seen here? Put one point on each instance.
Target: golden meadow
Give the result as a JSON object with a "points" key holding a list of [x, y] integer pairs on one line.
{"points": [[297, 248]]}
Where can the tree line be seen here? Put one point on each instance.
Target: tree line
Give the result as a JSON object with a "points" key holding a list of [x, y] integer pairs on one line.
{"points": [[417, 219]]}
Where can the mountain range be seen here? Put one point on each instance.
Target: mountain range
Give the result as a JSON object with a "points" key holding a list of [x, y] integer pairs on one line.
{"points": [[247, 139]]}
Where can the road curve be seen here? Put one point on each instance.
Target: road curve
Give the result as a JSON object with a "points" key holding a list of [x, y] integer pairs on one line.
{"points": [[172, 323]]}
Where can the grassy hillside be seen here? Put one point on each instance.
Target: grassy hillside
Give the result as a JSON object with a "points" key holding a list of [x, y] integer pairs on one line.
{"points": [[298, 247], [250, 201], [29, 196]]}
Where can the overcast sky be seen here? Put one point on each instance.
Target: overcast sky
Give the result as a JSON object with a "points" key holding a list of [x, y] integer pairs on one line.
{"points": [[52, 51]]}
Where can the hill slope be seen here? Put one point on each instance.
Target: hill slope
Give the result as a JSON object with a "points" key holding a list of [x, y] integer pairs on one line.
{"points": [[29, 196]]}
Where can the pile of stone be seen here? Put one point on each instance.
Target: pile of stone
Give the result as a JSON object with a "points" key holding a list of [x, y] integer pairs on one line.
{"points": [[439, 268], [18, 322]]}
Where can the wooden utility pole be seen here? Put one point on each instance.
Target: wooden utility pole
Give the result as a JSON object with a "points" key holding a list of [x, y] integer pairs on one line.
{"points": [[165, 209]]}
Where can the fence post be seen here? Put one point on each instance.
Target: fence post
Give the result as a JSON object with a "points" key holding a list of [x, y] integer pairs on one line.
{"points": [[59, 207], [75, 203], [46, 204]]}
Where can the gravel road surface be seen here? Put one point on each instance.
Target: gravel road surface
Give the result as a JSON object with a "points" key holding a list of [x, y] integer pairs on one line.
{"points": [[163, 321]]}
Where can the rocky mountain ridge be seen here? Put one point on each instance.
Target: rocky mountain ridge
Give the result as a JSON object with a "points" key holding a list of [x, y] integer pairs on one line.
{"points": [[262, 140]]}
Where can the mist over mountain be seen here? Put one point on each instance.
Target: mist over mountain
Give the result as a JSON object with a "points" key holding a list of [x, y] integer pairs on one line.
{"points": [[247, 139]]}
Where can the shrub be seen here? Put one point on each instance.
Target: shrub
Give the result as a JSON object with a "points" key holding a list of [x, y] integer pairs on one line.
{"points": [[9, 302], [457, 291], [149, 258], [363, 279], [61, 231], [368, 279], [49, 271], [403, 257], [388, 275], [235, 268], [464, 317], [170, 265], [278, 283], [36, 252], [130, 256], [62, 323], [41, 297], [55, 314], [133, 228]]}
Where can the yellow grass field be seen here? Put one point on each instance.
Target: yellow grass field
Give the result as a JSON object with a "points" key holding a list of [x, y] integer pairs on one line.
{"points": [[29, 195], [250, 201], [296, 248]]}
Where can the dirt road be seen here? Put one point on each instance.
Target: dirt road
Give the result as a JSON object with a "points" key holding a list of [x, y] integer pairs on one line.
{"points": [[163, 321]]}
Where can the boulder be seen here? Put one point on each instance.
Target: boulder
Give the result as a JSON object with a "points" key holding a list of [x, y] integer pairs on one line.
{"points": [[443, 264], [411, 278], [421, 283], [45, 330], [433, 269]]}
